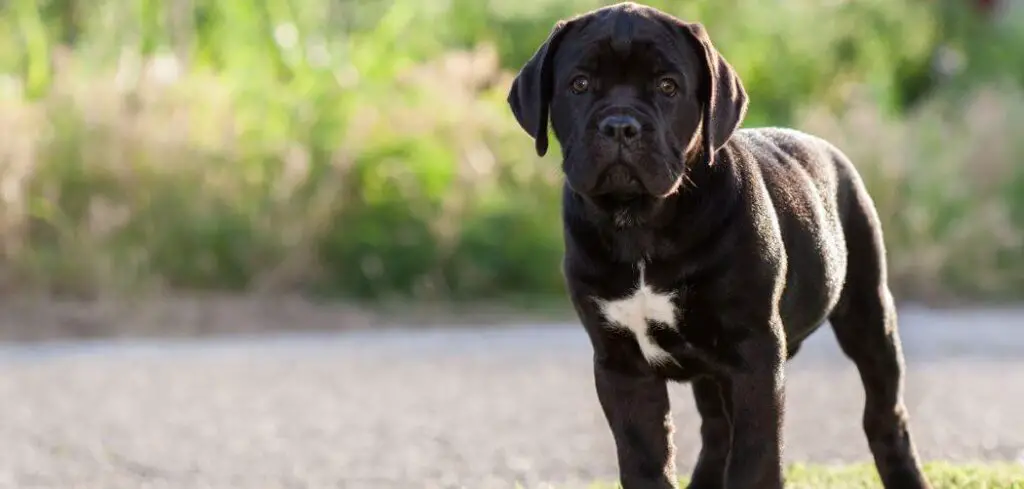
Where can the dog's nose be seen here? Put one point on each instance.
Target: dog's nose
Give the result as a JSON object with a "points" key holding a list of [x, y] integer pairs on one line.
{"points": [[622, 128]]}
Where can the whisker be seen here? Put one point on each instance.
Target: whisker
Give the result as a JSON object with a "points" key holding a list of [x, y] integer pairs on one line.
{"points": [[686, 178]]}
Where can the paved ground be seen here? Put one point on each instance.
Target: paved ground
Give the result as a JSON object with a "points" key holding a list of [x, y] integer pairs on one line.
{"points": [[441, 408]]}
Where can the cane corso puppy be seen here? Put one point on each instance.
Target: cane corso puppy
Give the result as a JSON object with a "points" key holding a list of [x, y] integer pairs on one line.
{"points": [[699, 252]]}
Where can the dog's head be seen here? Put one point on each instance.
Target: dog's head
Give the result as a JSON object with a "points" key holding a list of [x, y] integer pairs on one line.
{"points": [[633, 95]]}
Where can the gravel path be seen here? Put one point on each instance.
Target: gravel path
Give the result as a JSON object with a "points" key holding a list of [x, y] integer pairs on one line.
{"points": [[479, 409]]}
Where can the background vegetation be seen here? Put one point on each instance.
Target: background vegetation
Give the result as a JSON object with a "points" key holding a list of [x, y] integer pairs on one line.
{"points": [[363, 148]]}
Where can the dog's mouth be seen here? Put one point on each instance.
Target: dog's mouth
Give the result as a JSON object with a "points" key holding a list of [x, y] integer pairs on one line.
{"points": [[622, 194], [619, 183]]}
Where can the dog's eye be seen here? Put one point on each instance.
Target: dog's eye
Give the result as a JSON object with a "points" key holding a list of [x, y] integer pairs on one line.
{"points": [[667, 86], [580, 84]]}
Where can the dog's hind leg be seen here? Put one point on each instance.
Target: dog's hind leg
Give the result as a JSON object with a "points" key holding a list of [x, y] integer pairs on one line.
{"points": [[714, 407], [864, 322]]}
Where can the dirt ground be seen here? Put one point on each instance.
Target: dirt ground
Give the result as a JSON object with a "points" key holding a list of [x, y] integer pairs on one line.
{"points": [[432, 407]]}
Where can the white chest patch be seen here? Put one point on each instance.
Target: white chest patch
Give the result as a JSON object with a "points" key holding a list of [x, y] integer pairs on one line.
{"points": [[633, 313]]}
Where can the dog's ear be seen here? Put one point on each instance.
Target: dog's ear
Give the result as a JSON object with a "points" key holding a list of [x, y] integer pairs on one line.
{"points": [[721, 93], [531, 91]]}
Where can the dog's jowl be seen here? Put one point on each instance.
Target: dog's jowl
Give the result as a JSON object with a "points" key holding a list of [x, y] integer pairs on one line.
{"points": [[697, 251]]}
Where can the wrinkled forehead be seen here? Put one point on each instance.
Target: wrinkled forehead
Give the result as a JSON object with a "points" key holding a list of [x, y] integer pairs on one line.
{"points": [[624, 42]]}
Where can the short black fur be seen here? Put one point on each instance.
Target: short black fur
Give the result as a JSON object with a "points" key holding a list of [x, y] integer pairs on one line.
{"points": [[759, 235]]}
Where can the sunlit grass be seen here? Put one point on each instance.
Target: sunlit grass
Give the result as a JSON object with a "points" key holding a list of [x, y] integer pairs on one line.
{"points": [[864, 476]]}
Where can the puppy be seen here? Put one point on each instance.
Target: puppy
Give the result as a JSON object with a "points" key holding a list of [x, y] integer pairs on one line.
{"points": [[699, 252]]}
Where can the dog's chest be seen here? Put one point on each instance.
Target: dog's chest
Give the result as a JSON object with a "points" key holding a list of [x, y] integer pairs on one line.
{"points": [[640, 312]]}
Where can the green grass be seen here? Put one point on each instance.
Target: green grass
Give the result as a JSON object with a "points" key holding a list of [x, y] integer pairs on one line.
{"points": [[863, 476]]}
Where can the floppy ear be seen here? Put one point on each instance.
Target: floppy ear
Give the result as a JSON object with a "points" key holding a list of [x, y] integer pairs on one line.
{"points": [[530, 94], [721, 93]]}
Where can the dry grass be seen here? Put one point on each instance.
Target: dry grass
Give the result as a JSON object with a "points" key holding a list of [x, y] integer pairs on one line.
{"points": [[148, 178]]}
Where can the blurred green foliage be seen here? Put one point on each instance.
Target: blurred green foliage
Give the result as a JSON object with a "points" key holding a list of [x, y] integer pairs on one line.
{"points": [[364, 148]]}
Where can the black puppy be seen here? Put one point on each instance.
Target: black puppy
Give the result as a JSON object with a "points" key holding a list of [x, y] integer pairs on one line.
{"points": [[697, 251]]}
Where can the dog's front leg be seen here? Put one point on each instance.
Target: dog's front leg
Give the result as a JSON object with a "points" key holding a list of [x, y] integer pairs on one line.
{"points": [[636, 405], [755, 460]]}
